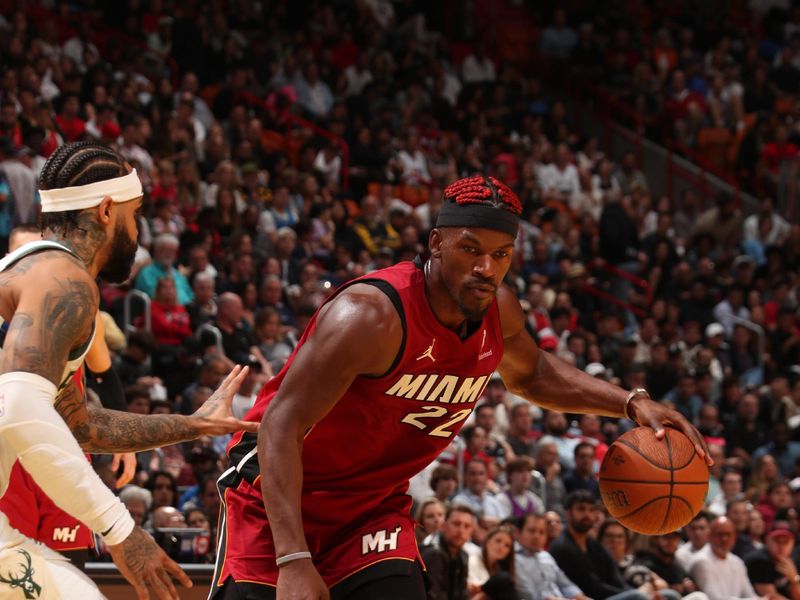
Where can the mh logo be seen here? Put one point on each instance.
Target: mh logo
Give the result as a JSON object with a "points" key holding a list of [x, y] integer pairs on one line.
{"points": [[66, 535], [380, 541]]}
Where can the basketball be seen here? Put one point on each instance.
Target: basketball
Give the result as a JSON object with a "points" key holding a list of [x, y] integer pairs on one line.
{"points": [[653, 486]]}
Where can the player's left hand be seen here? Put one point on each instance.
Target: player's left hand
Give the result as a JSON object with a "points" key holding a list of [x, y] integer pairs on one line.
{"points": [[649, 413], [128, 460], [215, 416]]}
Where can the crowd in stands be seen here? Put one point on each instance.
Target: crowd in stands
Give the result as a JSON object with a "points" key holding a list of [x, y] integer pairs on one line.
{"points": [[299, 147], [723, 90]]}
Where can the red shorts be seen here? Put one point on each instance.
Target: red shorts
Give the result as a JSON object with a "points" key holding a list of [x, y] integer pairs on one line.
{"points": [[345, 532], [32, 512]]}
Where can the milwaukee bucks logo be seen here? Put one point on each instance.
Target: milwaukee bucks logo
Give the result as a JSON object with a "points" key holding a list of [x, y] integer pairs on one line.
{"points": [[24, 580]]}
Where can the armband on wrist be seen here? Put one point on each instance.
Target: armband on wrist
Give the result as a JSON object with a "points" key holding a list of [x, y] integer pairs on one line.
{"points": [[287, 558], [633, 394]]}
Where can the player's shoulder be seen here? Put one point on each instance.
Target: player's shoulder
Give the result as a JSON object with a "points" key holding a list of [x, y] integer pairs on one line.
{"points": [[512, 318], [366, 301], [362, 309], [51, 270]]}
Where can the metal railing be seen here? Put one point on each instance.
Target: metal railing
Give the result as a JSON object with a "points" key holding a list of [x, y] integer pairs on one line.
{"points": [[126, 308]]}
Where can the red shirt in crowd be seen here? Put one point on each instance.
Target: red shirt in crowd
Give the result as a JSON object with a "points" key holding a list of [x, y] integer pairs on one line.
{"points": [[171, 324]]}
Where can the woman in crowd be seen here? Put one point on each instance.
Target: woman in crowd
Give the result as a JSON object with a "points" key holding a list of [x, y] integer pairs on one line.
{"points": [[491, 573], [430, 517]]}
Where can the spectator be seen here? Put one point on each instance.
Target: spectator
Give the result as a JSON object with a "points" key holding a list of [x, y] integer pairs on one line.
{"points": [[478, 67], [558, 39], [170, 321], [771, 569], [582, 476], [664, 563], [616, 540], [547, 464], [491, 573], [730, 489], [445, 558], [781, 448], [738, 513], [237, 342], [203, 308], [479, 499], [518, 500], [520, 433], [165, 255], [718, 572], [444, 482], [163, 487], [429, 518], [138, 502], [583, 559], [538, 575], [697, 531]]}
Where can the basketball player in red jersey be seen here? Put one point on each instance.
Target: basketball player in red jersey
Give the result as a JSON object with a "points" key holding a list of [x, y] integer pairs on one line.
{"points": [[314, 505]]}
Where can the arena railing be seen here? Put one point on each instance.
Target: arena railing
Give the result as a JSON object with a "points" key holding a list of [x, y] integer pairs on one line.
{"points": [[127, 312]]}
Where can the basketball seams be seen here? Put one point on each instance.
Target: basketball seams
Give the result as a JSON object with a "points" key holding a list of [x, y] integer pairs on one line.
{"points": [[618, 477], [652, 482], [645, 505], [671, 480], [640, 453]]}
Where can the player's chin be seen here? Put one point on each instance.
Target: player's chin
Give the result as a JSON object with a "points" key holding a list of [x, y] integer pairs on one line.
{"points": [[474, 309]]}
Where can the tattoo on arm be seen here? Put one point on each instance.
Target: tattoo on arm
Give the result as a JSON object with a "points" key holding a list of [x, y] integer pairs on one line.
{"points": [[40, 337], [108, 431]]}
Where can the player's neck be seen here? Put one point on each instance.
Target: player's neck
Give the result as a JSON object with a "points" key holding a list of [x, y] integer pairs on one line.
{"points": [[83, 245]]}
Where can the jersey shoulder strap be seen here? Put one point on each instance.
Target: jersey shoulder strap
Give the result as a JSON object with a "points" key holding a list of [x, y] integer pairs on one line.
{"points": [[30, 248]]}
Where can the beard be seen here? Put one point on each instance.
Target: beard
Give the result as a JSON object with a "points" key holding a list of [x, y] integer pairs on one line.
{"points": [[582, 526], [121, 256], [468, 305]]}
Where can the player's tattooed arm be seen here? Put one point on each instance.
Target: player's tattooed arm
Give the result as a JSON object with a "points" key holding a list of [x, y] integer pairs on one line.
{"points": [[101, 430], [54, 314]]}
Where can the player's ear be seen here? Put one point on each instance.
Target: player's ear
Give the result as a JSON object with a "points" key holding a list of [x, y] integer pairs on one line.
{"points": [[435, 242], [104, 210]]}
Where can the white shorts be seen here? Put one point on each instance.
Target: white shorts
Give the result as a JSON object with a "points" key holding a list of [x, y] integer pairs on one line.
{"points": [[32, 571]]}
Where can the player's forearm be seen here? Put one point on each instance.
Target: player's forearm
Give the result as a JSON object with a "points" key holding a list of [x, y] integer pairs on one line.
{"points": [[280, 460], [555, 385], [107, 431]]}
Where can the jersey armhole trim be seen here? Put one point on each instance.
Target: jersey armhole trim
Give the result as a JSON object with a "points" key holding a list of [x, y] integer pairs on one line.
{"points": [[392, 294]]}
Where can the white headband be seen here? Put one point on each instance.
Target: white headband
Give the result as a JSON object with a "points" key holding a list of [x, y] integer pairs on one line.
{"points": [[121, 189]]}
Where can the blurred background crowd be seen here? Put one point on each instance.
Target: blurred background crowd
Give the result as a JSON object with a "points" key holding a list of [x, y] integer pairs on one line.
{"points": [[287, 147]]}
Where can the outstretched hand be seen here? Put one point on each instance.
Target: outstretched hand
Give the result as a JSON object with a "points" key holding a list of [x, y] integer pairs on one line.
{"points": [[216, 416], [649, 413]]}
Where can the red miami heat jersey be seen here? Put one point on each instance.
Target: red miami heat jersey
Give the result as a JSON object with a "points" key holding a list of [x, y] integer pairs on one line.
{"points": [[358, 459]]}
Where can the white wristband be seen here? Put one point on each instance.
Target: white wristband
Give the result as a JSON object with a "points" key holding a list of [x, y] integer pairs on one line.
{"points": [[631, 396], [287, 558]]}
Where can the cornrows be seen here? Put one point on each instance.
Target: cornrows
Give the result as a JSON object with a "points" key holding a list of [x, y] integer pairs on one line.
{"points": [[483, 190]]}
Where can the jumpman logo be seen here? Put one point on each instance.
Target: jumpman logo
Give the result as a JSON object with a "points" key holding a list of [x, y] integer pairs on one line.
{"points": [[429, 352]]}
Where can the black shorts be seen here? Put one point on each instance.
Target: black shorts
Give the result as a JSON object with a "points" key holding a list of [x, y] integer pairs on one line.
{"points": [[373, 583]]}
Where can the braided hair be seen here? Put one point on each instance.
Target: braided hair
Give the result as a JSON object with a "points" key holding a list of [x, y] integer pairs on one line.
{"points": [[74, 164], [483, 190]]}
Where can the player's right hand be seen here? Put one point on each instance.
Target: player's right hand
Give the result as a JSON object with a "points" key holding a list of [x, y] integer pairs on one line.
{"points": [[299, 580], [215, 416], [147, 567]]}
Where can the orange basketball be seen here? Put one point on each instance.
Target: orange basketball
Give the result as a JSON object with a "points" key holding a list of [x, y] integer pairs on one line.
{"points": [[653, 486]]}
